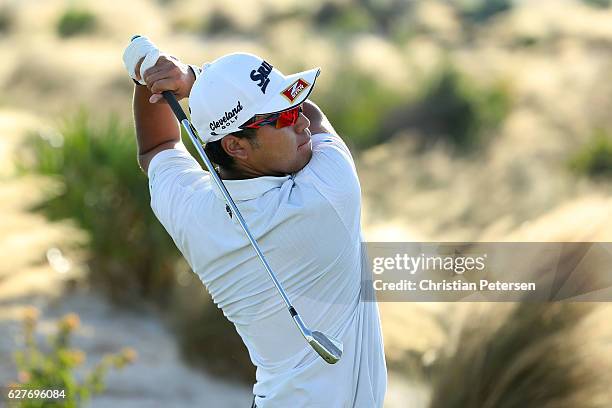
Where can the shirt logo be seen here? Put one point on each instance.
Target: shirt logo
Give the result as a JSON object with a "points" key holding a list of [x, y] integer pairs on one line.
{"points": [[261, 75], [227, 119], [295, 89]]}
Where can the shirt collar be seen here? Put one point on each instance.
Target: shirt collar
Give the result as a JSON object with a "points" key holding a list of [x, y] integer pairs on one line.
{"points": [[248, 189]]}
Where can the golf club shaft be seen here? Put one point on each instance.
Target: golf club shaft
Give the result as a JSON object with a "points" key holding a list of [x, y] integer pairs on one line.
{"points": [[182, 117], [329, 349]]}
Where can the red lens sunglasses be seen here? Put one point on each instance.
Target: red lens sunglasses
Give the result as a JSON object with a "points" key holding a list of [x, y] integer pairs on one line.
{"points": [[279, 120]]}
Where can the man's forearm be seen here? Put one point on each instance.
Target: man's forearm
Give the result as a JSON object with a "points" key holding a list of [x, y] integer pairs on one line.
{"points": [[155, 122], [312, 112], [318, 121]]}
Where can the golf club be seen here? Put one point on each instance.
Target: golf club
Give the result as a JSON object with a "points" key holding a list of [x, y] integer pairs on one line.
{"points": [[327, 347]]}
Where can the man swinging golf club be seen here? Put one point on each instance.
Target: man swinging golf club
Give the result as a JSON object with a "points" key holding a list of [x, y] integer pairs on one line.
{"points": [[290, 199]]}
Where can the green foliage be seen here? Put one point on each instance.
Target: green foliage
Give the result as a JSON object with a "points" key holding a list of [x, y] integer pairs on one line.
{"points": [[453, 108], [216, 23], [480, 11], [271, 17], [53, 368], [594, 159], [75, 22], [356, 105], [598, 3], [525, 41], [219, 23], [7, 19], [449, 107], [131, 255], [108, 196], [388, 18], [342, 18]]}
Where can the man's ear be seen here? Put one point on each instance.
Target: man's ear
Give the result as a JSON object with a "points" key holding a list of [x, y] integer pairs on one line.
{"points": [[235, 147]]}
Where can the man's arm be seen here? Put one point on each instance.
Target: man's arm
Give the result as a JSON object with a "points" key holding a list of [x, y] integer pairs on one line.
{"points": [[320, 124], [156, 126], [318, 121]]}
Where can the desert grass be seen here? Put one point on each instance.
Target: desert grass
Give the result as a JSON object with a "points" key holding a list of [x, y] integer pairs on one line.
{"points": [[535, 355]]}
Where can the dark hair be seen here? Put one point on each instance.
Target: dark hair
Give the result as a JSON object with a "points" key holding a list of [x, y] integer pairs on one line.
{"points": [[218, 155]]}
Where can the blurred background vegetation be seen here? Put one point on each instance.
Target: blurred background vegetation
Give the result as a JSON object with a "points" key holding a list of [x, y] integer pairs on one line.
{"points": [[51, 366], [469, 120]]}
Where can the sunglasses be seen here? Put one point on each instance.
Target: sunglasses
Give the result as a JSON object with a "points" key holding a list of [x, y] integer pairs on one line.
{"points": [[279, 120]]}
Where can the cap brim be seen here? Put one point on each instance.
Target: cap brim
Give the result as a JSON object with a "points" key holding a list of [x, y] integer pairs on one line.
{"points": [[283, 99]]}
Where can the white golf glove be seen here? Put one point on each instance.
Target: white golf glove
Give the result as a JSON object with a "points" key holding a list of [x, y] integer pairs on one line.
{"points": [[140, 47]]}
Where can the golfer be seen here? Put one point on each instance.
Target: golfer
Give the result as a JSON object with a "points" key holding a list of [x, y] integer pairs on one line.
{"points": [[295, 183]]}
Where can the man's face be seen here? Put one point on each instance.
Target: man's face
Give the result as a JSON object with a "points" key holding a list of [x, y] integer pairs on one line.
{"points": [[277, 151]]}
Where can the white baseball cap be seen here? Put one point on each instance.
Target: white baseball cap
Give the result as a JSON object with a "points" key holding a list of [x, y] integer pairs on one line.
{"points": [[236, 87]]}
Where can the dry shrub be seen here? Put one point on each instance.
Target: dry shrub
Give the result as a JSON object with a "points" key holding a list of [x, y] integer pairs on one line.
{"points": [[594, 158], [7, 19], [537, 355], [131, 257], [76, 22], [454, 108], [598, 3], [49, 372], [479, 11]]}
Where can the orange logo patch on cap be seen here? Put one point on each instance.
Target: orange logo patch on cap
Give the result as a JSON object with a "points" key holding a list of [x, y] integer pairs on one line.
{"points": [[296, 88]]}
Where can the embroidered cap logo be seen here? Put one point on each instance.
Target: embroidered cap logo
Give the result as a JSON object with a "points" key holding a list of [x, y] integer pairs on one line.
{"points": [[227, 119], [295, 89], [261, 75]]}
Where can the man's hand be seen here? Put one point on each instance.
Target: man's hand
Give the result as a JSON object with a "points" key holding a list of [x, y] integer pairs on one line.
{"points": [[168, 74], [156, 126], [142, 52], [160, 72]]}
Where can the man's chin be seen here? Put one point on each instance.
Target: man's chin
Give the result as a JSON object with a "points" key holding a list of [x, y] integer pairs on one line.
{"points": [[305, 160]]}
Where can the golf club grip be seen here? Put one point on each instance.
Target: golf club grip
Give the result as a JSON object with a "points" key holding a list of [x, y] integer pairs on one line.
{"points": [[178, 111]]}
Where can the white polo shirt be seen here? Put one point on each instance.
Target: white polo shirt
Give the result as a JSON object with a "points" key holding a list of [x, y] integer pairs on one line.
{"points": [[308, 227]]}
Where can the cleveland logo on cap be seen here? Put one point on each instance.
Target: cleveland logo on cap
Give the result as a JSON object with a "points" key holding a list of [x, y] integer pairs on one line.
{"points": [[296, 88], [227, 119]]}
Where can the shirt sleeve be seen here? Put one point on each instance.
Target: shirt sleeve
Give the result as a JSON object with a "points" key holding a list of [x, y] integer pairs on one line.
{"points": [[174, 179], [332, 172]]}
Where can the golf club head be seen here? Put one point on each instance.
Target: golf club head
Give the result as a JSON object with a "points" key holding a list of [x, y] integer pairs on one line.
{"points": [[328, 348]]}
